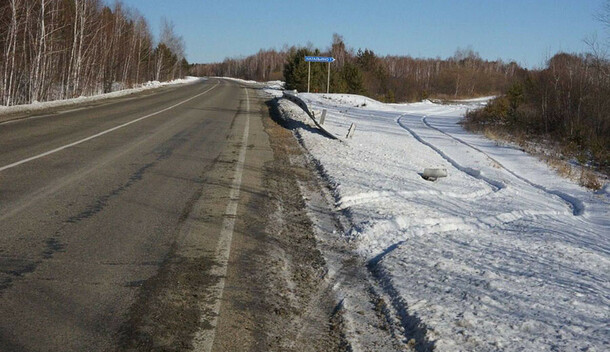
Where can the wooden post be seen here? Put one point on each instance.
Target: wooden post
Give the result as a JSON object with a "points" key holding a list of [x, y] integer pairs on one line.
{"points": [[308, 75], [328, 80], [351, 130], [322, 117]]}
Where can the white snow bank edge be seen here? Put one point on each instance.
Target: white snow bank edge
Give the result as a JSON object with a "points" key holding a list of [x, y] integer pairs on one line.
{"points": [[39, 106]]}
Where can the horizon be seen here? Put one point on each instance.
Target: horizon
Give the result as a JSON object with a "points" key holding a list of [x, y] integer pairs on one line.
{"points": [[528, 33]]}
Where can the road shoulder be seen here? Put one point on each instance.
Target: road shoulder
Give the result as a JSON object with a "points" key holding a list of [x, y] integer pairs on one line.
{"points": [[276, 296]]}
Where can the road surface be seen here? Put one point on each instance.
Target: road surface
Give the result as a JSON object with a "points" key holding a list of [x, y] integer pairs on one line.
{"points": [[119, 223]]}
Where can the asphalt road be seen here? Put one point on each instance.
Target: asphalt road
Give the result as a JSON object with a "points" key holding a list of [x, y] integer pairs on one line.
{"points": [[113, 216]]}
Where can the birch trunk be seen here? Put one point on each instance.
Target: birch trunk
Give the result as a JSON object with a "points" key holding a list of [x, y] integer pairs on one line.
{"points": [[11, 52]]}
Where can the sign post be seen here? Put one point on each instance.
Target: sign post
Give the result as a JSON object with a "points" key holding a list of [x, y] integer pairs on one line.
{"points": [[308, 75], [328, 79], [309, 60]]}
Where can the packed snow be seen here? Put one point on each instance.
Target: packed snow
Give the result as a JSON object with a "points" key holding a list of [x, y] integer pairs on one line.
{"points": [[502, 254], [38, 106]]}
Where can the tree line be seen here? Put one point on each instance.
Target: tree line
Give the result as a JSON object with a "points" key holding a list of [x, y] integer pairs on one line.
{"points": [[266, 65], [567, 102], [385, 78], [59, 49]]}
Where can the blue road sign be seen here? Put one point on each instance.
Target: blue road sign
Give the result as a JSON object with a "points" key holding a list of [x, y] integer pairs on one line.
{"points": [[319, 59]]}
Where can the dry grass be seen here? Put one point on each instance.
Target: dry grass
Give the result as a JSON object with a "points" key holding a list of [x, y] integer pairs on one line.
{"points": [[589, 179], [492, 134], [580, 173], [551, 154], [563, 168]]}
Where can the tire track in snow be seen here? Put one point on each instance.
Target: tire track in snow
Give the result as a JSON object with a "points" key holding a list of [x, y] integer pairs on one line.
{"points": [[495, 185], [444, 224], [376, 196], [575, 204]]}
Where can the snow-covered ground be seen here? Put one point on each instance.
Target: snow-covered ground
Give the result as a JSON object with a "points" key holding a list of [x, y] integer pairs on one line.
{"points": [[503, 254], [273, 87], [37, 106]]}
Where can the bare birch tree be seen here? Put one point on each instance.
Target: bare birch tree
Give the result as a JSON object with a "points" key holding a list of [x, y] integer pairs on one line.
{"points": [[51, 49]]}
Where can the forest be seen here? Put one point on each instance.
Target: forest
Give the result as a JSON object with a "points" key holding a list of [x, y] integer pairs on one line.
{"points": [[59, 49], [565, 105], [385, 78]]}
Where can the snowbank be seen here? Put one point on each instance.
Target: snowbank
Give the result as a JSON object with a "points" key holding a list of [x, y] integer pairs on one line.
{"points": [[273, 88], [37, 106], [503, 254]]}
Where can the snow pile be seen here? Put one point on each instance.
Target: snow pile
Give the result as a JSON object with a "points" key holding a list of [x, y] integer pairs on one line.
{"points": [[273, 88], [36, 106], [481, 101], [502, 254], [278, 85]]}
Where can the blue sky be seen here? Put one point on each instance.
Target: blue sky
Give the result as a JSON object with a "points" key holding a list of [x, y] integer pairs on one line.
{"points": [[525, 31]]}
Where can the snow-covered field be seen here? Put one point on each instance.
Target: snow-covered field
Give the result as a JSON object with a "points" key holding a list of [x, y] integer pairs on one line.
{"points": [[503, 254], [37, 106]]}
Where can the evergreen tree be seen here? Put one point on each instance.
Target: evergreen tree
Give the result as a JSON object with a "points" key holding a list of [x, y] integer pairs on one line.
{"points": [[352, 78], [295, 72]]}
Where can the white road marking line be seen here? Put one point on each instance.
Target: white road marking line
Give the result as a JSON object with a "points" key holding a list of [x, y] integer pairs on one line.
{"points": [[52, 151], [205, 339]]}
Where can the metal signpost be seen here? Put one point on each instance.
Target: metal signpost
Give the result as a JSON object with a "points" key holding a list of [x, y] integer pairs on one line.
{"points": [[309, 60]]}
